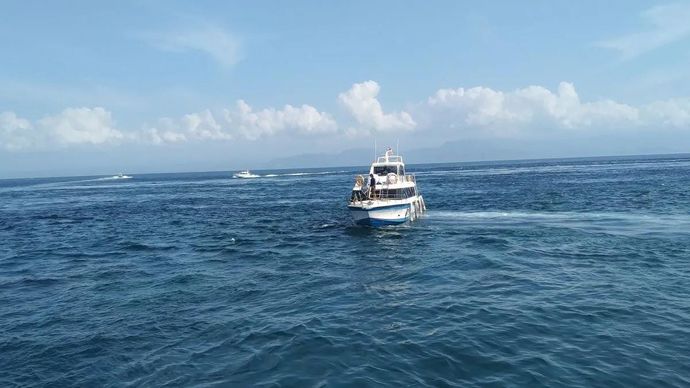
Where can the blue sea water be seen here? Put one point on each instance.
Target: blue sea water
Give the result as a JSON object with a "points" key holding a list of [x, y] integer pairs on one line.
{"points": [[540, 273]]}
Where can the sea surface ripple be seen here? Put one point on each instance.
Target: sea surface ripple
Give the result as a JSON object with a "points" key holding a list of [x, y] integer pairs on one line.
{"points": [[540, 273]]}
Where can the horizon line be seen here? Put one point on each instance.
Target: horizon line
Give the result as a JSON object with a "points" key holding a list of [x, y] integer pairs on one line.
{"points": [[624, 156]]}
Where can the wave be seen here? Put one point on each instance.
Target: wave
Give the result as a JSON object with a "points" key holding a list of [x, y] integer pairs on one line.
{"points": [[301, 174], [114, 177], [105, 178], [589, 168], [311, 173], [641, 221], [63, 183]]}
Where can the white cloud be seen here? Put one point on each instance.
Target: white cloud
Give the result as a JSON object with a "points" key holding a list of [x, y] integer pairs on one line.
{"points": [[193, 126], [269, 121], [667, 23], [214, 41], [360, 101], [241, 121], [81, 126], [479, 109], [160, 136], [15, 132], [203, 126], [530, 107], [71, 127], [674, 113]]}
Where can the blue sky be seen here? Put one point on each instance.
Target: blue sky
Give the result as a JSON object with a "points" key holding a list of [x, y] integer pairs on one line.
{"points": [[100, 87]]}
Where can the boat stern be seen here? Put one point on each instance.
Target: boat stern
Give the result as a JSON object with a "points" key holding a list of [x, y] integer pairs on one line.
{"points": [[380, 215]]}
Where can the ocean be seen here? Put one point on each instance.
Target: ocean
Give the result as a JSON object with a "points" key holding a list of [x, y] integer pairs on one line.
{"points": [[534, 273]]}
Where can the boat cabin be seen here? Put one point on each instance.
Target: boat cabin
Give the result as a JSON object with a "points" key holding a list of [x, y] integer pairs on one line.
{"points": [[388, 164]]}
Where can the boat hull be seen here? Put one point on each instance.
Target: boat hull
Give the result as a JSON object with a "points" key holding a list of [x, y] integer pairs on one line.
{"points": [[381, 215]]}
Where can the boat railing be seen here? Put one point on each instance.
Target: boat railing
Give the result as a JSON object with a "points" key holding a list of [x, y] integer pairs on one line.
{"points": [[385, 192]]}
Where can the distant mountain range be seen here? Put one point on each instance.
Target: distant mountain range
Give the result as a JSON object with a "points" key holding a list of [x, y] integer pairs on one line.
{"points": [[458, 151], [449, 152]]}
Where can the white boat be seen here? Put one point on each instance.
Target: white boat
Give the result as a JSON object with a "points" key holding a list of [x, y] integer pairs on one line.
{"points": [[394, 199], [121, 176], [245, 174]]}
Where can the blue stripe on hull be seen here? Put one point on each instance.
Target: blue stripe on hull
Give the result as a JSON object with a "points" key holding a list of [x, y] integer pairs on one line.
{"points": [[384, 207], [377, 222]]}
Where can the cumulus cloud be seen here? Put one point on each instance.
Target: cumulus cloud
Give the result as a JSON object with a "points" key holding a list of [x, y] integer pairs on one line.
{"points": [[530, 107], [165, 131], [673, 113], [253, 124], [219, 44], [70, 127], [203, 126], [81, 126], [243, 122], [666, 24], [193, 126], [361, 102], [15, 132]]}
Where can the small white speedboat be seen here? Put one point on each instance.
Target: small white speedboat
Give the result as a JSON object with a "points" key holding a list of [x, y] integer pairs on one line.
{"points": [[121, 176], [245, 174], [394, 198]]}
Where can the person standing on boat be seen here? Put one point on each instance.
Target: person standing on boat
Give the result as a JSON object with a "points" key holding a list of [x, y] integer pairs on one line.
{"points": [[372, 185]]}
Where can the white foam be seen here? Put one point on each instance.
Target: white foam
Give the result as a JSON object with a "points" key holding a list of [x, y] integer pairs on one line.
{"points": [[114, 177], [309, 173], [603, 218], [558, 168], [302, 174]]}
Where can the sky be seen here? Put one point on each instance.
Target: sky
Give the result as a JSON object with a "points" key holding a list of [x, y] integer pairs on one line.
{"points": [[163, 86]]}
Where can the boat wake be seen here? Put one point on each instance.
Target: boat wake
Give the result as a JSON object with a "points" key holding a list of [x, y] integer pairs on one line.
{"points": [[312, 173], [589, 168], [298, 174], [114, 177], [611, 221]]}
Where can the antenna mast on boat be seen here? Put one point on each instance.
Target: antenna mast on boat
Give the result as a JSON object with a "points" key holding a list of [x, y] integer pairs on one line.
{"points": [[397, 147], [374, 149]]}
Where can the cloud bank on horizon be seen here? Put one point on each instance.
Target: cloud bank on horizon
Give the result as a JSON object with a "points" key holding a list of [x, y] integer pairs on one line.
{"points": [[476, 110]]}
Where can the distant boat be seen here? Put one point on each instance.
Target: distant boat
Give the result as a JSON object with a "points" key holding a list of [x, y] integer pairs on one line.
{"points": [[393, 200], [121, 176], [245, 174]]}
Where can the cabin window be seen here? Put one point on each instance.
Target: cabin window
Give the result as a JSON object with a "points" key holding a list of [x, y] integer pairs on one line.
{"points": [[401, 170], [385, 170], [403, 193]]}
